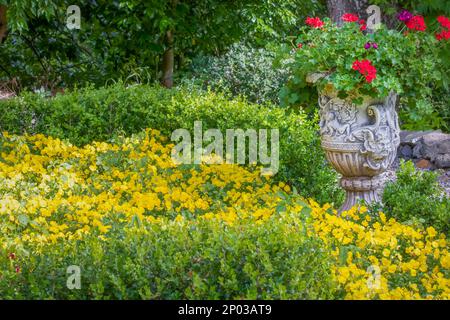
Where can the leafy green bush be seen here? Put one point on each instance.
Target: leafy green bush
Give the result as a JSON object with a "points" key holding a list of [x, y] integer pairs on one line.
{"points": [[204, 259], [243, 70], [83, 116], [115, 36], [413, 64], [416, 197], [401, 63], [428, 115]]}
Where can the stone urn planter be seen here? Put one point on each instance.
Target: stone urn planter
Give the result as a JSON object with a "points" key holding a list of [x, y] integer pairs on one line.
{"points": [[360, 142]]}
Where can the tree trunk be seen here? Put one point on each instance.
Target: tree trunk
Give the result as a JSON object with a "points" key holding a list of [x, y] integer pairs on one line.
{"points": [[3, 24], [168, 62], [391, 20], [336, 8]]}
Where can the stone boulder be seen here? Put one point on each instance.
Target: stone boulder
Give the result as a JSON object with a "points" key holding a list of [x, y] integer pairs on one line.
{"points": [[432, 146]]}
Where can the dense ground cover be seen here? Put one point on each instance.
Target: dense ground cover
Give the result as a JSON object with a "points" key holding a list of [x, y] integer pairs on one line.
{"points": [[141, 227], [90, 114]]}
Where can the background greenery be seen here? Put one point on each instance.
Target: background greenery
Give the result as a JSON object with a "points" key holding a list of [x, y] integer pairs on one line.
{"points": [[244, 70], [232, 41], [118, 38]]}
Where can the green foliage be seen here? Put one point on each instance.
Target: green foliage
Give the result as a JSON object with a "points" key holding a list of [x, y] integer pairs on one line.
{"points": [[83, 116], [416, 197], [428, 115], [20, 12], [243, 70], [119, 37], [41, 52], [414, 65], [204, 259], [429, 8]]}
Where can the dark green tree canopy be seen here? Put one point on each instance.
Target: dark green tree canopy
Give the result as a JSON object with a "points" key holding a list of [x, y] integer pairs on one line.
{"points": [[120, 35]]}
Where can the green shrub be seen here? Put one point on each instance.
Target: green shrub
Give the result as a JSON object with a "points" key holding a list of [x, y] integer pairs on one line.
{"points": [[416, 197], [204, 259], [243, 70], [428, 115], [100, 114]]}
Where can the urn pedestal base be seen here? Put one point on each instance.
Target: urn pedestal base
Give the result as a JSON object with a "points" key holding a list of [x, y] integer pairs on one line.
{"points": [[358, 189]]}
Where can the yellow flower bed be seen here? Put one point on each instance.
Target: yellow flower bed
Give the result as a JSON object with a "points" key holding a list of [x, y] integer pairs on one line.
{"points": [[52, 191], [382, 258]]}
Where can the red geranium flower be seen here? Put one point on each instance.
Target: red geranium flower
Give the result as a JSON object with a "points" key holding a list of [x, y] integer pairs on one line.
{"points": [[444, 34], [416, 23], [444, 21], [300, 45], [366, 68], [314, 22], [350, 17], [363, 25]]}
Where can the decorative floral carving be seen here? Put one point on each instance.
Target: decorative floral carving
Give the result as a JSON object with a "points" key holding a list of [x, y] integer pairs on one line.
{"points": [[379, 137], [361, 143], [336, 118]]}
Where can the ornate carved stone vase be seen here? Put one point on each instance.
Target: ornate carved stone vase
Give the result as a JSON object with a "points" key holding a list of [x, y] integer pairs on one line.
{"points": [[360, 142]]}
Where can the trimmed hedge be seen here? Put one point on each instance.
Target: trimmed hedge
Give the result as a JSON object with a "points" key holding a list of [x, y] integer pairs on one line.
{"points": [[83, 116], [206, 259]]}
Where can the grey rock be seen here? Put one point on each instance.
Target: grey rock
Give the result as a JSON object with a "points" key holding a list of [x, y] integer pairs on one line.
{"points": [[417, 151], [405, 151], [428, 145], [436, 147], [444, 146], [442, 161], [412, 137], [434, 138]]}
